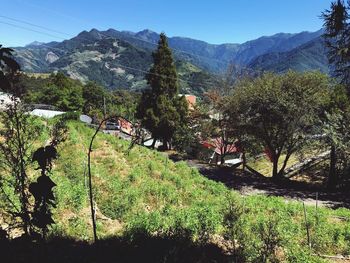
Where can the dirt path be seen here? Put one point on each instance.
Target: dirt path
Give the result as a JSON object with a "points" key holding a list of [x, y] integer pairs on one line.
{"points": [[250, 184]]}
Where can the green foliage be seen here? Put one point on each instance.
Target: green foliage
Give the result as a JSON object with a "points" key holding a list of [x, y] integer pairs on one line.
{"points": [[161, 111], [63, 92], [70, 115], [123, 103], [337, 35], [71, 95], [8, 67], [307, 57], [18, 132], [93, 95], [146, 194], [58, 90], [278, 111], [149, 195]]}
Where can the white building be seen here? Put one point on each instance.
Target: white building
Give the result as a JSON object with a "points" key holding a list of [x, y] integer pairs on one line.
{"points": [[47, 114]]}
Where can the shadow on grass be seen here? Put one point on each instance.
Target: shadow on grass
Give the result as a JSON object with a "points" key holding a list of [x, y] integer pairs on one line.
{"points": [[252, 183], [141, 249]]}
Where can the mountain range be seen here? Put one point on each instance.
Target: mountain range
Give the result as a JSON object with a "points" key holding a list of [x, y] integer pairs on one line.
{"points": [[120, 59]]}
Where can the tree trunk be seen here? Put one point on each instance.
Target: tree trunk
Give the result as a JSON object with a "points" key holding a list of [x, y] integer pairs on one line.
{"points": [[244, 161], [216, 158], [332, 177], [275, 173], [222, 159], [281, 171]]}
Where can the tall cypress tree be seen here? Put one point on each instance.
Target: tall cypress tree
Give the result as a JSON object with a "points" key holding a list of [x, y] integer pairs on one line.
{"points": [[337, 36], [161, 110]]}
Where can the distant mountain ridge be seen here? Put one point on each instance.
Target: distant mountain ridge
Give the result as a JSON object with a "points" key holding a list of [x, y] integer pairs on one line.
{"points": [[215, 58], [119, 59], [309, 56]]}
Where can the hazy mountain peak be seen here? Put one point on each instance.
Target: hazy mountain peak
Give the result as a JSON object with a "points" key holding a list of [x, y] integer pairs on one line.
{"points": [[96, 33], [34, 44], [129, 32], [112, 30], [146, 31], [148, 35]]}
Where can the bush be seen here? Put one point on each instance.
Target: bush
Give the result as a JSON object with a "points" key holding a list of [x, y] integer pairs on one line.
{"points": [[70, 115]]}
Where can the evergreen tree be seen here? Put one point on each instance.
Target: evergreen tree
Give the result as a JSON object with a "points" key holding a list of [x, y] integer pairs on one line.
{"points": [[337, 36], [161, 110]]}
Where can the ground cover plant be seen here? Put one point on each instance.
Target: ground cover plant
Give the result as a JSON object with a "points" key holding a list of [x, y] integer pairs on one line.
{"points": [[143, 194]]}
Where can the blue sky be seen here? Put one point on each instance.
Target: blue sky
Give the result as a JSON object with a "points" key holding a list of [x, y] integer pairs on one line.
{"points": [[219, 21]]}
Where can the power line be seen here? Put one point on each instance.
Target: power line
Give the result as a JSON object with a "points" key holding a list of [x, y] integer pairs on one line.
{"points": [[126, 67], [132, 37], [106, 36], [86, 21], [32, 30], [102, 34], [34, 25], [25, 2]]}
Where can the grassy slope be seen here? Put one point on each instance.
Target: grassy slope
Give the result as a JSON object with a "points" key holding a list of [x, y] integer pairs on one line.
{"points": [[144, 191], [128, 187]]}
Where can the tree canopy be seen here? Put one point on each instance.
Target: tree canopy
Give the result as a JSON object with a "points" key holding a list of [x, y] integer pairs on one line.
{"points": [[278, 111]]}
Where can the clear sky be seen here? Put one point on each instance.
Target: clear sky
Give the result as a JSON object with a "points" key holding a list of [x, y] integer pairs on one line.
{"points": [[214, 21]]}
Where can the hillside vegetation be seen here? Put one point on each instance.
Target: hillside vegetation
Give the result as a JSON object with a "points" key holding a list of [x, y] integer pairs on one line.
{"points": [[144, 192], [307, 57], [119, 59]]}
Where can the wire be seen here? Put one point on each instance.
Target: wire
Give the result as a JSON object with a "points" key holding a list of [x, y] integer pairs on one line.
{"points": [[34, 25], [32, 30], [107, 36], [239, 67], [85, 21], [131, 68]]}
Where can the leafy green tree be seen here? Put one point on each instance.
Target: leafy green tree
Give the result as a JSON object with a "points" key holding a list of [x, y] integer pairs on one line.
{"points": [[64, 93], [8, 67], [18, 131], [278, 112], [94, 96], [161, 110], [123, 103], [58, 90]]}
